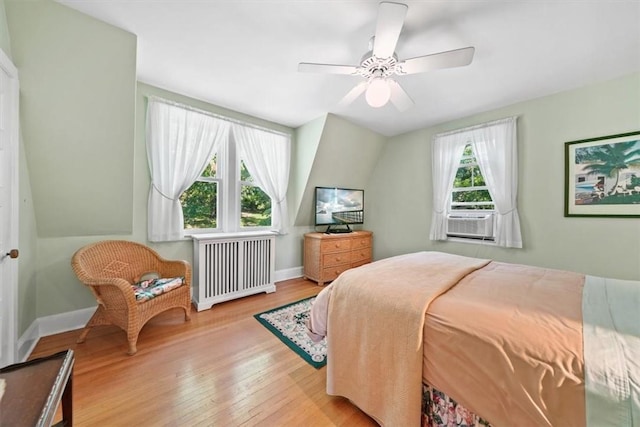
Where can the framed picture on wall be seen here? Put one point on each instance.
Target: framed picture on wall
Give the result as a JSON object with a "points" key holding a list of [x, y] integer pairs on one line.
{"points": [[602, 176]]}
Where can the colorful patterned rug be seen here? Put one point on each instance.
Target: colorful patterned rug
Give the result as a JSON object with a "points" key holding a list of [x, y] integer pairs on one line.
{"points": [[288, 323]]}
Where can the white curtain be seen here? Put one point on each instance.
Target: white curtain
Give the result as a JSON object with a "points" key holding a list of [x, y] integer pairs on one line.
{"points": [[495, 147], [267, 156], [180, 143], [446, 152]]}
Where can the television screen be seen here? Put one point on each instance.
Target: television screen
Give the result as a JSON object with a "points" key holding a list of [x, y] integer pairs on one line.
{"points": [[339, 206]]}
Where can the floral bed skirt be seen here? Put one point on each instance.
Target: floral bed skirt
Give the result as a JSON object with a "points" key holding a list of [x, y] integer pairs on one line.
{"points": [[439, 410]]}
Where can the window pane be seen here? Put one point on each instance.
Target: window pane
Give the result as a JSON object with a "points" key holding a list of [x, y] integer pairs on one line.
{"points": [[211, 168], [468, 176], [244, 173], [255, 207], [465, 176], [471, 196], [200, 205]]}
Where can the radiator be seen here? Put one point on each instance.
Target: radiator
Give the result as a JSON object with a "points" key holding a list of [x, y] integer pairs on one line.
{"points": [[229, 266]]}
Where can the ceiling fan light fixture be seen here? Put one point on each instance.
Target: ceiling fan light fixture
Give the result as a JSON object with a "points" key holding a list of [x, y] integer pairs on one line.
{"points": [[380, 64], [378, 92]]}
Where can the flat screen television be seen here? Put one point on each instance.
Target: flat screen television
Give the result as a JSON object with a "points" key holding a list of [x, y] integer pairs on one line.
{"points": [[338, 208]]}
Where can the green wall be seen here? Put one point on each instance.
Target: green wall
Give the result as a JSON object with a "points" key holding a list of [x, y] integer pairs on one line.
{"points": [[77, 88], [5, 41], [400, 186]]}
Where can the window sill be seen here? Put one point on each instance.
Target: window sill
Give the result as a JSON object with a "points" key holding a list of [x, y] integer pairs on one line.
{"points": [[470, 240]]}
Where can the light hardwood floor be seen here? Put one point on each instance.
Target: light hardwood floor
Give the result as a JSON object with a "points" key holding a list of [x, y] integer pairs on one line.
{"points": [[221, 368]]}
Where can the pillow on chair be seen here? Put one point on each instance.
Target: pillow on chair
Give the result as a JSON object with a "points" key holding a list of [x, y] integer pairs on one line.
{"points": [[145, 290]]}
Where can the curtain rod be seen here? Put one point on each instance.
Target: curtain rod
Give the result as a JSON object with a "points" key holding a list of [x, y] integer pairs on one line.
{"points": [[474, 127], [217, 116]]}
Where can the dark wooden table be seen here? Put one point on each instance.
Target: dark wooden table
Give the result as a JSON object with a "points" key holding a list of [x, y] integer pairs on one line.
{"points": [[34, 389]]}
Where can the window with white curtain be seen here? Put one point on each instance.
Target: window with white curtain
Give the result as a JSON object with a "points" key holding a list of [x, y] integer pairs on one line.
{"points": [[470, 212], [225, 196], [475, 184], [211, 174], [470, 191]]}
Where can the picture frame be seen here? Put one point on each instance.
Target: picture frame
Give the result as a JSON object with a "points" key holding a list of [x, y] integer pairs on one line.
{"points": [[602, 176]]}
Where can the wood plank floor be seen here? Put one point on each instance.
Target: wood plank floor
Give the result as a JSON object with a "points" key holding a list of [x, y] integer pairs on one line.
{"points": [[221, 368]]}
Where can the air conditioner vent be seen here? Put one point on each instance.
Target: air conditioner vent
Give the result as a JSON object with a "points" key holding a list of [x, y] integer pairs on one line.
{"points": [[479, 226]]}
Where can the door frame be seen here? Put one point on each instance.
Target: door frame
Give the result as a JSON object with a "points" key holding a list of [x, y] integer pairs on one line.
{"points": [[10, 289]]}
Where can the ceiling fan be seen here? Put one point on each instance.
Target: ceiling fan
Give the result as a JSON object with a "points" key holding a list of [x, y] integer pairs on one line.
{"points": [[380, 64]]}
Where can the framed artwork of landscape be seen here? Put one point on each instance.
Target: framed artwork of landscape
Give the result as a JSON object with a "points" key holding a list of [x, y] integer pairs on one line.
{"points": [[602, 176]]}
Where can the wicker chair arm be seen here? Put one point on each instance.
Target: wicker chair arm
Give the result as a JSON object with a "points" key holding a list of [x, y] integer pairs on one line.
{"points": [[122, 284]]}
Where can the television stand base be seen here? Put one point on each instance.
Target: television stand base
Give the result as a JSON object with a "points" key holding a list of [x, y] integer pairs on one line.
{"points": [[331, 230]]}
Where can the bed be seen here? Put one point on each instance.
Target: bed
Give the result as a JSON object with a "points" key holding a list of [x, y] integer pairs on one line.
{"points": [[481, 341]]}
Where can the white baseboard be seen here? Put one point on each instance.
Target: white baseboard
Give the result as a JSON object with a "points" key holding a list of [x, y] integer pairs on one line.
{"points": [[64, 322], [290, 273], [50, 325], [27, 342]]}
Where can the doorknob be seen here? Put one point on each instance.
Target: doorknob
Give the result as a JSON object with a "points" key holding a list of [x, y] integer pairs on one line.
{"points": [[13, 253]]}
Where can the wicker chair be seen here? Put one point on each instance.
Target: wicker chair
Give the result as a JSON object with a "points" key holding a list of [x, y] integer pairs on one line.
{"points": [[109, 268]]}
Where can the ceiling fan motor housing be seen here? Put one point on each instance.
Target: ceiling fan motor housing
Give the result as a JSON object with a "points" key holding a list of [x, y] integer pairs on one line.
{"points": [[372, 66]]}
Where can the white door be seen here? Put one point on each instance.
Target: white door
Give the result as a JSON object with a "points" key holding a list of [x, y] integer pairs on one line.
{"points": [[8, 209]]}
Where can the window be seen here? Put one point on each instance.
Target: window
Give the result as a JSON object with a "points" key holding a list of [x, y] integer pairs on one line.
{"points": [[210, 173], [471, 208], [475, 183], [200, 201], [255, 204], [246, 205], [470, 191]]}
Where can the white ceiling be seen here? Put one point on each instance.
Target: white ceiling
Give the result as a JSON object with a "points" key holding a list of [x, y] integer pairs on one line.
{"points": [[243, 54]]}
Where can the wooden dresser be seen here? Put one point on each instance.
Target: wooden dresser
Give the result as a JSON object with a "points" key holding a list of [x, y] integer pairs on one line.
{"points": [[328, 255]]}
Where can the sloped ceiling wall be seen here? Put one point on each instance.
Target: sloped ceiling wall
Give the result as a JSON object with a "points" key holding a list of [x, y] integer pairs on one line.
{"points": [[345, 156], [77, 98]]}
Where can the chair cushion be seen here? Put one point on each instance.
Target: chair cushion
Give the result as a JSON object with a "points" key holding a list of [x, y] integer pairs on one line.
{"points": [[145, 290]]}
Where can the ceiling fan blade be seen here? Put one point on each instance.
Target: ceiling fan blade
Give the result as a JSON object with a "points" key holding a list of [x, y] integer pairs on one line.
{"points": [[399, 97], [448, 59], [390, 20], [306, 67], [353, 94]]}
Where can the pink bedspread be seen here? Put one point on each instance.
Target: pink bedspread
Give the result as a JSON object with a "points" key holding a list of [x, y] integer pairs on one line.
{"points": [[502, 339], [374, 337], [506, 342]]}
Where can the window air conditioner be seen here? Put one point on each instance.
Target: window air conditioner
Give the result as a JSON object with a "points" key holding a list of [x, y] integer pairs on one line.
{"points": [[479, 226]]}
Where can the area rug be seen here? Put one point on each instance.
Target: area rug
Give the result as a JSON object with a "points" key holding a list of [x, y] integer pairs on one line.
{"points": [[288, 323]]}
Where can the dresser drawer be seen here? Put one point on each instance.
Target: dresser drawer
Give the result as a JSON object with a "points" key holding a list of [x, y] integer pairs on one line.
{"points": [[361, 262], [336, 258], [360, 255], [335, 245], [361, 242], [331, 273]]}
